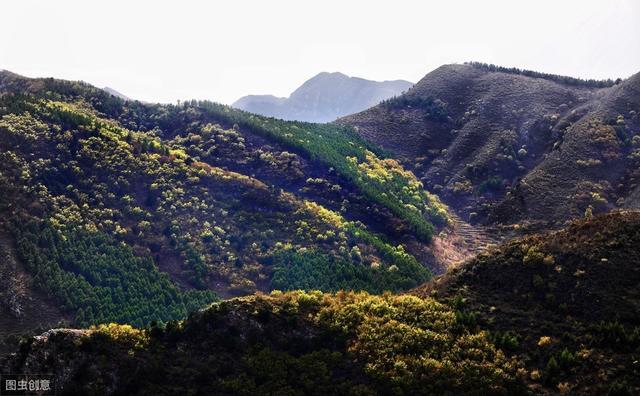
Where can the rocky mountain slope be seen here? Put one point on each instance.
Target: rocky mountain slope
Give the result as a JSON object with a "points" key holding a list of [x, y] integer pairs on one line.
{"points": [[548, 314], [324, 98], [515, 147]]}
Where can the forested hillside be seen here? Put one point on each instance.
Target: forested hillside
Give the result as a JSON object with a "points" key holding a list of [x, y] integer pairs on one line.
{"points": [[471, 230], [566, 304], [142, 222], [549, 314], [295, 343], [133, 213]]}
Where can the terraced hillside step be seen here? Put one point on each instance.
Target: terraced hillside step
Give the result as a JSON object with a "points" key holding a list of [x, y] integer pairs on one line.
{"points": [[476, 239]]}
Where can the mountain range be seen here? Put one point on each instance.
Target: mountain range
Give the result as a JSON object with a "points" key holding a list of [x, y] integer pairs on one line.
{"points": [[323, 98], [476, 234]]}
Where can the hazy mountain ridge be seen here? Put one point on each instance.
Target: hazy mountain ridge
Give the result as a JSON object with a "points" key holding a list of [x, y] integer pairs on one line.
{"points": [[324, 98], [116, 93]]}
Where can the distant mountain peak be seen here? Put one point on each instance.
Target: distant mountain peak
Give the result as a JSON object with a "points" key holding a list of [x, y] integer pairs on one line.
{"points": [[324, 98], [335, 74], [116, 93]]}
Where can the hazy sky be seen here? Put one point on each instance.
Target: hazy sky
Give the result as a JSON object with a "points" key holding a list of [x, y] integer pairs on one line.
{"points": [[221, 50]]}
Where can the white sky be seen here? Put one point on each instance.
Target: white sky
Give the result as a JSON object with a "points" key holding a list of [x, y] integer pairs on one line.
{"points": [[221, 50]]}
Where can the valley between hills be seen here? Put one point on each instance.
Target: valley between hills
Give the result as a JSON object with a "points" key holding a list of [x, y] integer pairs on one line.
{"points": [[476, 234]]}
